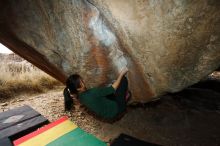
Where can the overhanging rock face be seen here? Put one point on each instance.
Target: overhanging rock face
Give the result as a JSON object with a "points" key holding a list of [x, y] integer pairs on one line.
{"points": [[167, 45]]}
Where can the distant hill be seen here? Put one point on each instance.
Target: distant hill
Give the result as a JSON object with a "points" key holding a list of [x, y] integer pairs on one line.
{"points": [[10, 57], [14, 63]]}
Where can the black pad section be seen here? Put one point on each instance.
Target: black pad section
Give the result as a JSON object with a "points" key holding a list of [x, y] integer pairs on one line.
{"points": [[17, 115], [5, 142], [126, 140], [23, 128], [20, 121]]}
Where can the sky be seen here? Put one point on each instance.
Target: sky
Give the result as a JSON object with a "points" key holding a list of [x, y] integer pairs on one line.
{"points": [[4, 49]]}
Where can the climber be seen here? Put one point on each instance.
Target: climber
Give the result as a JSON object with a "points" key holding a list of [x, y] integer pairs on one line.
{"points": [[107, 103]]}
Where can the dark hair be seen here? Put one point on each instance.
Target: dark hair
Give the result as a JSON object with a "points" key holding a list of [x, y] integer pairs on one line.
{"points": [[72, 84]]}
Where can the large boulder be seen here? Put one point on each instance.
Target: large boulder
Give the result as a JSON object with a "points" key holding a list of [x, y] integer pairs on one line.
{"points": [[167, 45]]}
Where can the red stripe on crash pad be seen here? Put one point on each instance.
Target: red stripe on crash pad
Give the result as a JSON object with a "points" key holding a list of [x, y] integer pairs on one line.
{"points": [[39, 131]]}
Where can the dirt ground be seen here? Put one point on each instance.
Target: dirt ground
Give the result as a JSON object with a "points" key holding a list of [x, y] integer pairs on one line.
{"points": [[190, 117]]}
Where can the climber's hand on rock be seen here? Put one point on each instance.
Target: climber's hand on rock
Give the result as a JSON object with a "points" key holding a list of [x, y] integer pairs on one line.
{"points": [[117, 82], [124, 71]]}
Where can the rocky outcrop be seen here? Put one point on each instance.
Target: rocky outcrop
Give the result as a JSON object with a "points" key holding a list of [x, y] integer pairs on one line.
{"points": [[167, 45]]}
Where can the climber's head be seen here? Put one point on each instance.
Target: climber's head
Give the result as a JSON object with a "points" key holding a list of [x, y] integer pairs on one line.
{"points": [[74, 85]]}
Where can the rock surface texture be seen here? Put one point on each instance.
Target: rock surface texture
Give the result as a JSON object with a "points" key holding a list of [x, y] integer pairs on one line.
{"points": [[167, 45]]}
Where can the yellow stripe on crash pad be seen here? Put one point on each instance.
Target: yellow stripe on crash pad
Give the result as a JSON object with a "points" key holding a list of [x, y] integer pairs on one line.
{"points": [[50, 135]]}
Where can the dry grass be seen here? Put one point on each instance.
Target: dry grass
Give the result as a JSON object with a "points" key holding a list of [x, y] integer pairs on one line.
{"points": [[21, 77]]}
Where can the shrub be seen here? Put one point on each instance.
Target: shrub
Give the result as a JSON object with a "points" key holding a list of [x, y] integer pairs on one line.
{"points": [[22, 77]]}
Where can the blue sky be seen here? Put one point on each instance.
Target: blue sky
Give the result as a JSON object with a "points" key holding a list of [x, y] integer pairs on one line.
{"points": [[4, 49]]}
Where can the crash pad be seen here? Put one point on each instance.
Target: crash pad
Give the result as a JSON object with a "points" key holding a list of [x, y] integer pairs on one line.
{"points": [[20, 121], [127, 140], [61, 132], [5, 142]]}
